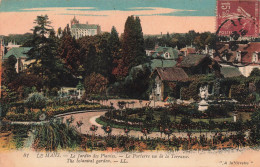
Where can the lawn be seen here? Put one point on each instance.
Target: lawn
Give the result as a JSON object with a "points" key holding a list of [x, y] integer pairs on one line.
{"points": [[178, 118]]}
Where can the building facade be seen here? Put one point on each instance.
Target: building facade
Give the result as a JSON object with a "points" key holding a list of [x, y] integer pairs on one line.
{"points": [[80, 30], [245, 57], [21, 57]]}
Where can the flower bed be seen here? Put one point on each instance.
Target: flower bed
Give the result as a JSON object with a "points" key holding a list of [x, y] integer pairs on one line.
{"points": [[65, 109], [137, 118], [50, 112]]}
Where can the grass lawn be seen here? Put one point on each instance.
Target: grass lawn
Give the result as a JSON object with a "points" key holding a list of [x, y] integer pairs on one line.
{"points": [[178, 118], [154, 129]]}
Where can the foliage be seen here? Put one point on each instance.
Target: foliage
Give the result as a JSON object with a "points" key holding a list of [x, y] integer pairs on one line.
{"points": [[239, 92], [199, 40], [20, 39], [69, 51], [95, 84], [51, 111], [190, 89], [135, 85], [12, 115], [114, 45], [95, 55], [44, 54], [9, 71], [54, 136], [255, 73], [133, 52], [255, 129], [8, 97], [36, 101], [214, 111], [26, 80]]}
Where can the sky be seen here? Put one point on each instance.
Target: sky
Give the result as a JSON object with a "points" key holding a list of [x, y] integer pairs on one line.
{"points": [[173, 16]]}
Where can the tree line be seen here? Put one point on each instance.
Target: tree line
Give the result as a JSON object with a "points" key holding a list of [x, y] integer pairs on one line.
{"points": [[60, 60], [97, 61]]}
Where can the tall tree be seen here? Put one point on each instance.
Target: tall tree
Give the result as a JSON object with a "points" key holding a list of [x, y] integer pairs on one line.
{"points": [[114, 45], [133, 52], [44, 52], [95, 52], [69, 51]]}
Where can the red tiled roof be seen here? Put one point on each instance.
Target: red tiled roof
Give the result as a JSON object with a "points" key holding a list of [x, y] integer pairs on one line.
{"points": [[188, 50], [171, 74], [246, 50]]}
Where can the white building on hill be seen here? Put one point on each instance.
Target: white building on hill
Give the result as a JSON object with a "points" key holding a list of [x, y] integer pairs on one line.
{"points": [[80, 30]]}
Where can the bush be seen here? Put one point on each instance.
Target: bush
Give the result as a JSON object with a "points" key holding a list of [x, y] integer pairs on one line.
{"points": [[219, 110], [55, 135], [36, 101]]}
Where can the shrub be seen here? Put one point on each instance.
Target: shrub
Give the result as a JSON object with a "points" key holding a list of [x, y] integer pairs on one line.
{"points": [[54, 135], [36, 100]]}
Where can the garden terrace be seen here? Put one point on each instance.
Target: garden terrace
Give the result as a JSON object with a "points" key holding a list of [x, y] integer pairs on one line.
{"points": [[20, 112], [59, 136], [177, 117]]}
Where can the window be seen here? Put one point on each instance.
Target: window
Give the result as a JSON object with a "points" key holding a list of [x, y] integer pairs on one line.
{"points": [[224, 57], [158, 88], [255, 57], [167, 55], [238, 58]]}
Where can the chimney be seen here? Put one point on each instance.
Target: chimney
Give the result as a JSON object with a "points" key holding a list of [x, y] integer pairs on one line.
{"points": [[207, 49], [156, 46]]}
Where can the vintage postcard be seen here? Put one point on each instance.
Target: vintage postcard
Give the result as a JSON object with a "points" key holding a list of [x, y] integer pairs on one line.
{"points": [[129, 83]]}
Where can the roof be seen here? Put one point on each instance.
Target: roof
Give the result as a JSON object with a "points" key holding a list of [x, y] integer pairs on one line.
{"points": [[162, 63], [171, 74], [85, 26], [19, 52], [230, 71], [160, 51], [192, 60], [246, 50], [188, 50]]}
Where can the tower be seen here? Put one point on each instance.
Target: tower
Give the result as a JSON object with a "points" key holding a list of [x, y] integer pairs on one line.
{"points": [[74, 21]]}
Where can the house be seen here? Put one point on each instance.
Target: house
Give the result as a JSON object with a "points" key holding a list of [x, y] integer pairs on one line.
{"points": [[163, 52], [80, 30], [21, 56], [71, 92], [188, 50], [245, 57], [229, 71], [198, 64], [163, 77], [11, 45]]}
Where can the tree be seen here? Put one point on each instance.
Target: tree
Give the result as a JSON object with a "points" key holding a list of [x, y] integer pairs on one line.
{"points": [[69, 51], [25, 83], [133, 52], [114, 45], [255, 73], [95, 84], [135, 85], [95, 55], [36, 100], [255, 130], [46, 63], [9, 72]]}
